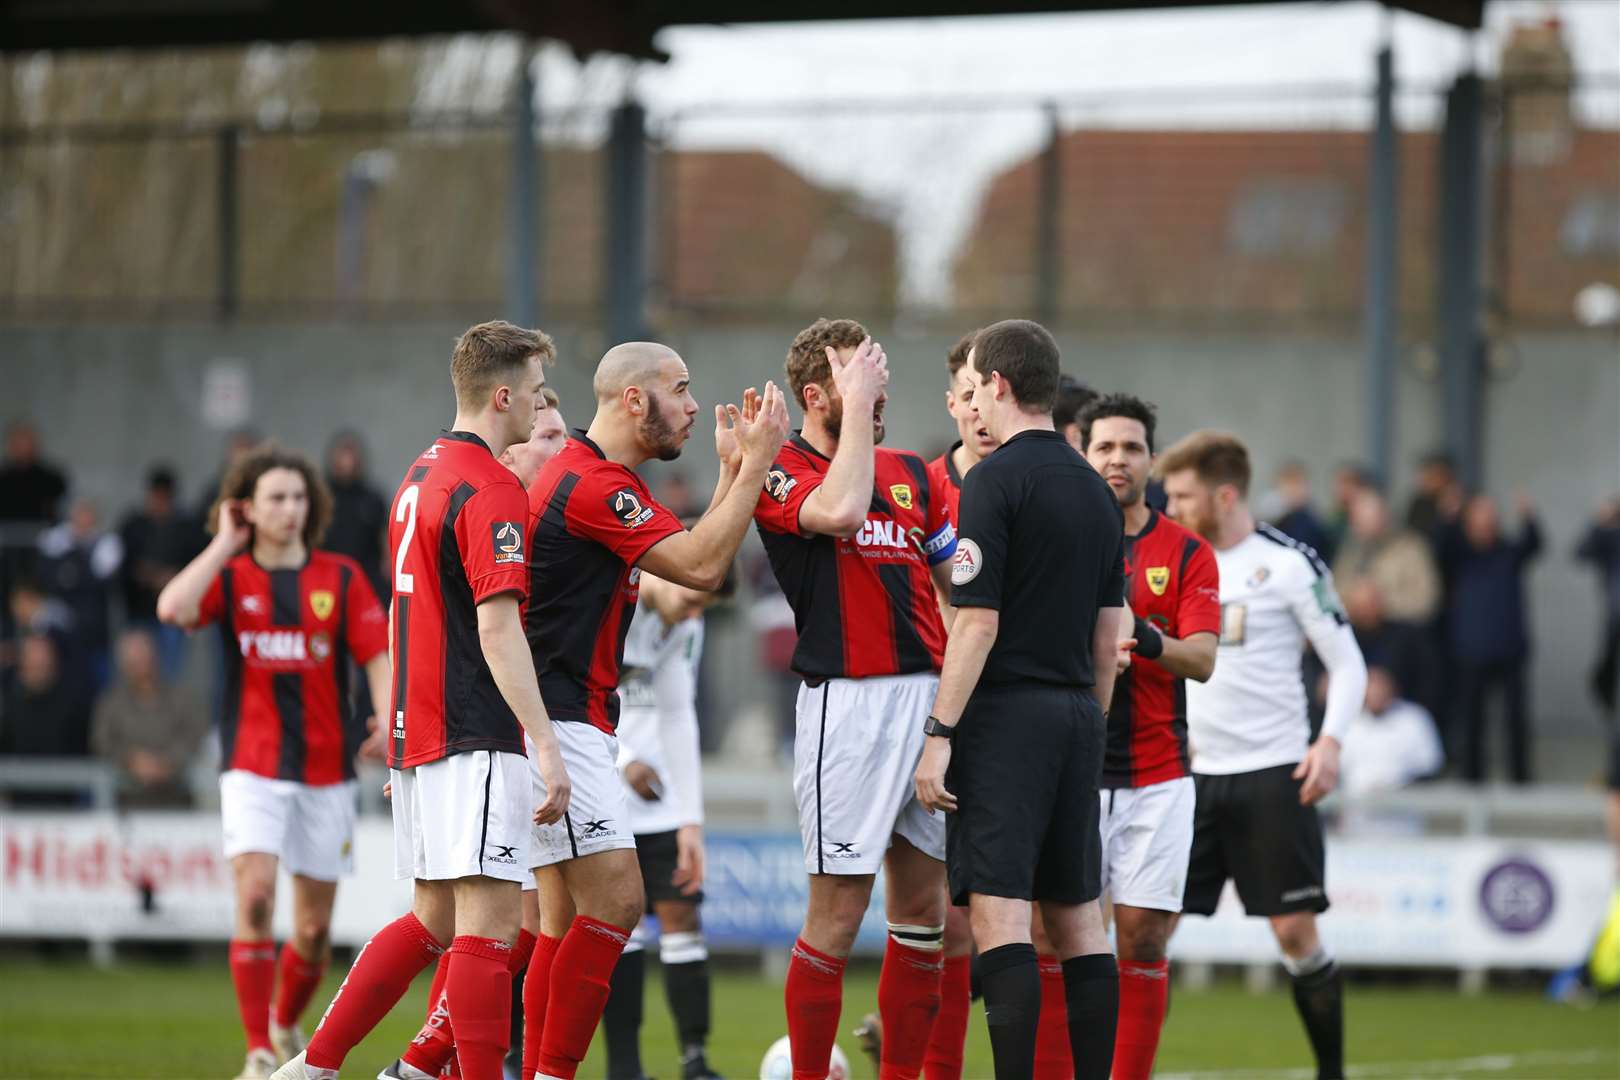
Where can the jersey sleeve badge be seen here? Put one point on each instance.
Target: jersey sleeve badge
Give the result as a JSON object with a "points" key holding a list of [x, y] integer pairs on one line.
{"points": [[778, 483], [629, 509], [508, 542]]}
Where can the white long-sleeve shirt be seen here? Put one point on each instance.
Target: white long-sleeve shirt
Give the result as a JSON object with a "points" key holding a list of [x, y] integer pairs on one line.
{"points": [[1276, 594], [1390, 750], [658, 719]]}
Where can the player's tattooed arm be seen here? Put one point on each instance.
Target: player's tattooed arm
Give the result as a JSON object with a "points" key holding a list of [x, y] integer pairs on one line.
{"points": [[180, 602]]}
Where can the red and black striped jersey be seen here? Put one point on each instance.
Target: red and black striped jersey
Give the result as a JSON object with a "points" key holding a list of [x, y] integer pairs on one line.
{"points": [[863, 605], [1171, 581], [288, 636], [590, 520], [455, 537], [943, 478]]}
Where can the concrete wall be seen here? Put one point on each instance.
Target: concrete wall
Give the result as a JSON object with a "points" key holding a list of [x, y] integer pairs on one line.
{"points": [[111, 399]]}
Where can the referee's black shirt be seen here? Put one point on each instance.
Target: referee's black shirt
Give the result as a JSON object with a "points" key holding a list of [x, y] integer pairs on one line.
{"points": [[1041, 540]]}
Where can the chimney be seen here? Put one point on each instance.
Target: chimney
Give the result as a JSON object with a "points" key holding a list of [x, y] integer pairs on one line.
{"points": [[1537, 79]]}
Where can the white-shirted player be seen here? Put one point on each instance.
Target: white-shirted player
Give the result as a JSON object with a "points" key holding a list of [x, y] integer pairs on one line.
{"points": [[659, 761], [1257, 773]]}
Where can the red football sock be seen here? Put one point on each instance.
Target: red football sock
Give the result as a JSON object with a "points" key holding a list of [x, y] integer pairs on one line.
{"points": [[253, 972], [943, 1060], [435, 1043], [296, 981], [536, 989], [580, 977], [1053, 1058], [908, 1001], [479, 989], [815, 997], [381, 974], [1144, 993]]}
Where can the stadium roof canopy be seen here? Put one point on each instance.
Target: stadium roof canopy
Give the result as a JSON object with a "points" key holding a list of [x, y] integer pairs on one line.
{"points": [[620, 26]]}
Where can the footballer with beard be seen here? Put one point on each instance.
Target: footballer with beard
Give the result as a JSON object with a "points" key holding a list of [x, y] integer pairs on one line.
{"points": [[859, 539], [593, 527]]}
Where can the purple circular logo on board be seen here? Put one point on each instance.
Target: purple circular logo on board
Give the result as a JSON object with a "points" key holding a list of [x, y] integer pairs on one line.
{"points": [[1517, 896]]}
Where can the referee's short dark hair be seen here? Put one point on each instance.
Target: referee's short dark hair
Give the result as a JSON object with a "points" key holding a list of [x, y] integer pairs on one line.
{"points": [[1218, 457], [1128, 406], [1027, 357]]}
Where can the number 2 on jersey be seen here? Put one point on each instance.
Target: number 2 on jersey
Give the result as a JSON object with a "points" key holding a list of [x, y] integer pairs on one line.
{"points": [[405, 510]]}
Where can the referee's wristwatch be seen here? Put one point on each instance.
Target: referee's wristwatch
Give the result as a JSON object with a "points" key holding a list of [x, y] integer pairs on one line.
{"points": [[934, 727]]}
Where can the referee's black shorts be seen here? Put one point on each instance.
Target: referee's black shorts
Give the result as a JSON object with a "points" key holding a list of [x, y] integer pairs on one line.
{"points": [[1250, 827], [1025, 768]]}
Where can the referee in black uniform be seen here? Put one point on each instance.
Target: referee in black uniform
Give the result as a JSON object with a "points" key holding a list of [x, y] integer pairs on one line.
{"points": [[1017, 730]]}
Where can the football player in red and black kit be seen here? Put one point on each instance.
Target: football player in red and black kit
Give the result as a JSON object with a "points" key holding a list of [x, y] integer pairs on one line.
{"points": [[859, 540], [593, 527], [1173, 588], [291, 617], [973, 443], [464, 698]]}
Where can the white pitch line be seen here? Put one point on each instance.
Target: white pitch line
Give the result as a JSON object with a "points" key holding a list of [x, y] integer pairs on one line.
{"points": [[1483, 1063]]}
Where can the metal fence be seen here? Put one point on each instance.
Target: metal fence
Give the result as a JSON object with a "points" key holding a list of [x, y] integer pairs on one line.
{"points": [[1191, 206]]}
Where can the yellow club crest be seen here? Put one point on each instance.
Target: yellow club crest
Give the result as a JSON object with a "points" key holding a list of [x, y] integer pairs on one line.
{"points": [[321, 602], [902, 495], [1158, 579]]}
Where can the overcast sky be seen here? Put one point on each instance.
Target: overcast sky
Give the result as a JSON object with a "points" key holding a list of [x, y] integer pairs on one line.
{"points": [[925, 168]]}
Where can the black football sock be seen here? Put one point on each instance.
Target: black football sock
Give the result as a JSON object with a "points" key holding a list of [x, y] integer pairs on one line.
{"points": [[1319, 997], [1011, 979], [975, 982], [1091, 987], [621, 1018]]}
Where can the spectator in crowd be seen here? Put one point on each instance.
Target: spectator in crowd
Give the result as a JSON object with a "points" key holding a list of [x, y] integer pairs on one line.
{"points": [[34, 612], [676, 493], [1486, 626], [1405, 651], [359, 526], [1437, 494], [1349, 480], [159, 539], [1293, 514], [1397, 560], [1601, 547], [147, 728], [1391, 744], [79, 563], [30, 489], [45, 714]]}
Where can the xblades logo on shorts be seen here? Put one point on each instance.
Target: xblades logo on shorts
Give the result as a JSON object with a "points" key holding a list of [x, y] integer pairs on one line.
{"points": [[595, 828], [503, 854], [842, 851]]}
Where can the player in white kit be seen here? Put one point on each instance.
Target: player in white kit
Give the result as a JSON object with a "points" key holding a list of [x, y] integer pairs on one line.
{"points": [[1258, 775], [659, 762]]}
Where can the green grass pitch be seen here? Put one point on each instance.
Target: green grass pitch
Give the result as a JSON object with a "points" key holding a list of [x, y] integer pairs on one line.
{"points": [[178, 1021]]}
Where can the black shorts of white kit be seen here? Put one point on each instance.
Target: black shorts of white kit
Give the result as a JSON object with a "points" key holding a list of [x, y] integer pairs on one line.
{"points": [[657, 854], [1250, 827], [1024, 769]]}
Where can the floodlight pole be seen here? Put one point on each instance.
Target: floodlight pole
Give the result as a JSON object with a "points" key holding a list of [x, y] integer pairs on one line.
{"points": [[1048, 262], [1461, 288], [1380, 315], [626, 232], [522, 275]]}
